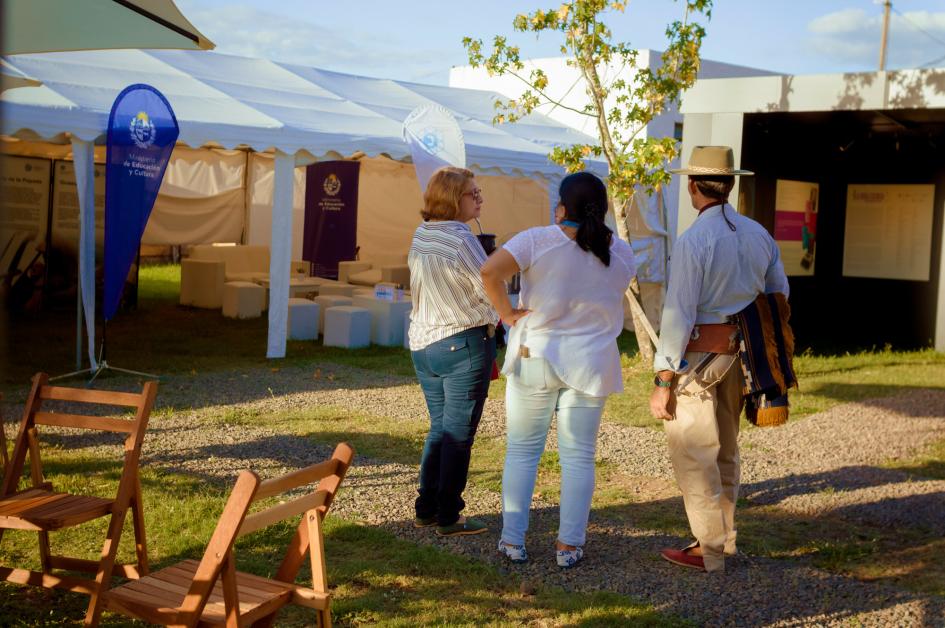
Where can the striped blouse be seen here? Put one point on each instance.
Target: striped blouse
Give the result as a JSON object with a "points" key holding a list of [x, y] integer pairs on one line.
{"points": [[445, 285]]}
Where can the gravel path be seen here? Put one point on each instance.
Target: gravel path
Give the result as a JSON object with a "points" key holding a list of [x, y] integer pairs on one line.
{"points": [[822, 464]]}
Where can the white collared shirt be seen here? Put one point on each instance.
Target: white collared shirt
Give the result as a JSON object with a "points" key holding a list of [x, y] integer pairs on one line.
{"points": [[715, 272], [445, 285]]}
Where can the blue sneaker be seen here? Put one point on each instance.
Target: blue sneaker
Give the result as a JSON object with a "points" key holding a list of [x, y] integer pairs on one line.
{"points": [[569, 558], [515, 553]]}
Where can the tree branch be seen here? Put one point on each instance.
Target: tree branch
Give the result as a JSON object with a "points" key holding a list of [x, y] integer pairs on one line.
{"points": [[548, 98]]}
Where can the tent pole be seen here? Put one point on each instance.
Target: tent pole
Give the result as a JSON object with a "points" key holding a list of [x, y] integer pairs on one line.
{"points": [[280, 253], [78, 328]]}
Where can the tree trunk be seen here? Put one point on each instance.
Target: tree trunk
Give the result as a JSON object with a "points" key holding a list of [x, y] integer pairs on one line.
{"points": [[647, 351], [639, 329]]}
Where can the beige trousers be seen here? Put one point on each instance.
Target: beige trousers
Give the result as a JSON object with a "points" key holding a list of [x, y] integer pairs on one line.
{"points": [[703, 447]]}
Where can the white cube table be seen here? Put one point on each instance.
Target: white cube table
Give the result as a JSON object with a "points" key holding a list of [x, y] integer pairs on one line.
{"points": [[387, 319], [303, 319], [243, 299], [347, 326], [336, 288], [325, 302]]}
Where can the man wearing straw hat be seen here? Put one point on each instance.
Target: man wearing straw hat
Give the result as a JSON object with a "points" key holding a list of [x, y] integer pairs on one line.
{"points": [[719, 266]]}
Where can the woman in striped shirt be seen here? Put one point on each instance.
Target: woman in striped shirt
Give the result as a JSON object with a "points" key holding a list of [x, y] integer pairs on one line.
{"points": [[452, 343]]}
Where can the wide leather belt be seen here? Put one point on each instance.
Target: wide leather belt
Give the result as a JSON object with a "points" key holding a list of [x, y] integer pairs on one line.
{"points": [[714, 338]]}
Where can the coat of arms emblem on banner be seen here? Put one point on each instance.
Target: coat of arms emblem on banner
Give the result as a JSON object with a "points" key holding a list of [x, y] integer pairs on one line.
{"points": [[332, 185], [142, 130]]}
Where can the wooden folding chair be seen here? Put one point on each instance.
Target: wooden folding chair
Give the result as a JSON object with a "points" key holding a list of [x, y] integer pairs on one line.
{"points": [[211, 591], [42, 509], [4, 455]]}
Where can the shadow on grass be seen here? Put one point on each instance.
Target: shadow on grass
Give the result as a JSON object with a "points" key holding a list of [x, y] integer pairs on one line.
{"points": [[894, 398], [165, 338]]}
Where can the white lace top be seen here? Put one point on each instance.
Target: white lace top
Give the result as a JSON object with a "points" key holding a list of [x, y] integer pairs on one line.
{"points": [[576, 308]]}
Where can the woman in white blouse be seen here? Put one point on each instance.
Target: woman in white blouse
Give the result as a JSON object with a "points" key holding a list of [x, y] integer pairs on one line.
{"points": [[562, 354], [452, 344]]}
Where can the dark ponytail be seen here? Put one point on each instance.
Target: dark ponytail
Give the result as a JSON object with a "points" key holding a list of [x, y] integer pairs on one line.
{"points": [[584, 197]]}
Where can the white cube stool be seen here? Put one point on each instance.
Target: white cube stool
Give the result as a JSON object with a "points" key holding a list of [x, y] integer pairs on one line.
{"points": [[347, 326], [243, 299], [387, 319], [325, 302], [303, 319]]}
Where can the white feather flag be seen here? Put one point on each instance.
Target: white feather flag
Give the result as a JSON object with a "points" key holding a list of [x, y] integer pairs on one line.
{"points": [[435, 140]]}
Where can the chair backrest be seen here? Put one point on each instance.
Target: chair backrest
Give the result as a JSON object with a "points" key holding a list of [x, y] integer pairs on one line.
{"points": [[236, 522], [34, 414]]}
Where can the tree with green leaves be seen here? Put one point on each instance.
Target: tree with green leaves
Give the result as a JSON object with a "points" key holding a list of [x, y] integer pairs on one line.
{"points": [[621, 107]]}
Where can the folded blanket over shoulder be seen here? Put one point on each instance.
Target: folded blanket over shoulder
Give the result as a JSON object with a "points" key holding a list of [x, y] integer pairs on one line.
{"points": [[767, 353]]}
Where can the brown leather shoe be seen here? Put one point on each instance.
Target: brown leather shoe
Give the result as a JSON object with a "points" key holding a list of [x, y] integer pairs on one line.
{"points": [[683, 558]]}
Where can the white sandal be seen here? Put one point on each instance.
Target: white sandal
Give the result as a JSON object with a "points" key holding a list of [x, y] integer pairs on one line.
{"points": [[569, 558], [515, 553]]}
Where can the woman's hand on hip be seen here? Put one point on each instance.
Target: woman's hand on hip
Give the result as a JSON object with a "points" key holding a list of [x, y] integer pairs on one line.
{"points": [[512, 317]]}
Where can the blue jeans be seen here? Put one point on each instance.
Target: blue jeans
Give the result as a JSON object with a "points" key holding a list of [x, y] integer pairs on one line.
{"points": [[454, 375], [530, 402]]}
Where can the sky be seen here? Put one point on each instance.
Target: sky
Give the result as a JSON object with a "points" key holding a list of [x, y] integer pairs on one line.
{"points": [[420, 40]]}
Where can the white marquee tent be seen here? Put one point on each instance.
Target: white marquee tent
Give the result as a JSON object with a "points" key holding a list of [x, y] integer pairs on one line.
{"points": [[300, 115]]}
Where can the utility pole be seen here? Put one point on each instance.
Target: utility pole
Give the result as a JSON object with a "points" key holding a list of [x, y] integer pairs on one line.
{"points": [[887, 5]]}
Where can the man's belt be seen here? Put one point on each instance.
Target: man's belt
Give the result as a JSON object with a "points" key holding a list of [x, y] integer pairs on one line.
{"points": [[714, 338]]}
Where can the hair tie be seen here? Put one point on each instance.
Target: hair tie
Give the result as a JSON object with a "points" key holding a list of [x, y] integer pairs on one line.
{"points": [[571, 223]]}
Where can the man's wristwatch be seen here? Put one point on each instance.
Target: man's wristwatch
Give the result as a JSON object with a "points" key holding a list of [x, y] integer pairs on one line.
{"points": [[662, 383]]}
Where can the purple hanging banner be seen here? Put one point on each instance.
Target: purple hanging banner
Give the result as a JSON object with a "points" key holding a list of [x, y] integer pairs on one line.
{"points": [[142, 131], [331, 215]]}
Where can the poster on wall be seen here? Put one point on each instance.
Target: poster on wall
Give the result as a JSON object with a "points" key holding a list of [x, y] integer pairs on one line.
{"points": [[331, 215], [795, 225], [888, 232], [65, 208], [24, 214]]}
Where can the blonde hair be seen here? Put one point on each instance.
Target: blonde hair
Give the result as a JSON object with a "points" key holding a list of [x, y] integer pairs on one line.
{"points": [[444, 192]]}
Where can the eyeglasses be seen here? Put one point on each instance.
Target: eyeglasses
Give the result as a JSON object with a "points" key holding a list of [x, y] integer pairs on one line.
{"points": [[476, 195]]}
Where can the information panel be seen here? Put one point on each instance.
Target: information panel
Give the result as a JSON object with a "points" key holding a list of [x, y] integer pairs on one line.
{"points": [[795, 225], [888, 231], [24, 212], [24, 195], [65, 214]]}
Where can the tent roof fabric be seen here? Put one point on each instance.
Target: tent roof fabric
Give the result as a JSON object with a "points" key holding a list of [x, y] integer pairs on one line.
{"points": [[53, 25], [237, 102]]}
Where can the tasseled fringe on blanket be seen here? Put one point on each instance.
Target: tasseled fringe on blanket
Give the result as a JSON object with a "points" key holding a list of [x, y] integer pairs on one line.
{"points": [[767, 352], [763, 412]]}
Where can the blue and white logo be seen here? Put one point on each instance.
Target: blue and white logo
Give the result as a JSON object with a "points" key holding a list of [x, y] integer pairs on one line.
{"points": [[142, 129], [432, 138]]}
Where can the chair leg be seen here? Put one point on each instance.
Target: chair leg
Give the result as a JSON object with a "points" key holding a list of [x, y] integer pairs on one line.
{"points": [[137, 520], [103, 578], [316, 555], [44, 552], [230, 596]]}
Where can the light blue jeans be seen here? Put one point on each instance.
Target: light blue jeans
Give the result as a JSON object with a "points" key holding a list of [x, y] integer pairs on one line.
{"points": [[532, 395]]}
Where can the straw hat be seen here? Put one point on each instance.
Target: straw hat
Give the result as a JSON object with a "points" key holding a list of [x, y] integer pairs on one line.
{"points": [[711, 161]]}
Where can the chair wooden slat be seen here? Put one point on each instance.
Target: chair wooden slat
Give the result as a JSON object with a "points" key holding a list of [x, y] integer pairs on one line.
{"points": [[42, 509], [294, 479], [266, 518], [81, 421], [211, 591], [87, 395]]}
